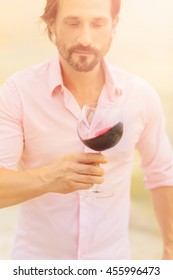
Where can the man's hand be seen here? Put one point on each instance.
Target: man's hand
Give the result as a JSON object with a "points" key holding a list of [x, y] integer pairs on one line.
{"points": [[168, 253], [68, 174], [163, 204], [74, 172]]}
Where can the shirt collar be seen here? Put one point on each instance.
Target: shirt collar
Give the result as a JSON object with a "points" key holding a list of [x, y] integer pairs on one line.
{"points": [[55, 76], [111, 82], [113, 86]]}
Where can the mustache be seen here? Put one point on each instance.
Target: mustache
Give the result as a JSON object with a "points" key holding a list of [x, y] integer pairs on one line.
{"points": [[81, 48]]}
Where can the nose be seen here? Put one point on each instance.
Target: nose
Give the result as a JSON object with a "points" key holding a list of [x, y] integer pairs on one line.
{"points": [[85, 37]]}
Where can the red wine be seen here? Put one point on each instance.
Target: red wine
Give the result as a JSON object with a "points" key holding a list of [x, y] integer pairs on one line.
{"points": [[106, 138]]}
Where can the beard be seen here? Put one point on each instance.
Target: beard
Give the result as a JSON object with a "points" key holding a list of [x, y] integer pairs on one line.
{"points": [[81, 58]]}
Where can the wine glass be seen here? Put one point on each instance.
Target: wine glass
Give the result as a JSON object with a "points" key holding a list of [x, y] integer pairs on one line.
{"points": [[100, 127]]}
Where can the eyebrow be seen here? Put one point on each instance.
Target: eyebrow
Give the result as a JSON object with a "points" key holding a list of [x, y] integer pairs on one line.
{"points": [[78, 18]]}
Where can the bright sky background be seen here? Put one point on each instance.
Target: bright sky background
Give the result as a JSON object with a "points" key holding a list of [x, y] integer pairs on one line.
{"points": [[143, 43]]}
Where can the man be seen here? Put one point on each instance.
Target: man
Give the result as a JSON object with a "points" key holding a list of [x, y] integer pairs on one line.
{"points": [[44, 165]]}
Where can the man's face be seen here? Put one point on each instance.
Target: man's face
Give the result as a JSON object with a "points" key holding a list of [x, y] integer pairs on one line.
{"points": [[84, 30]]}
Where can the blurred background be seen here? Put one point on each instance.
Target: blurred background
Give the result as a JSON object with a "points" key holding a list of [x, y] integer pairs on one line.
{"points": [[143, 45]]}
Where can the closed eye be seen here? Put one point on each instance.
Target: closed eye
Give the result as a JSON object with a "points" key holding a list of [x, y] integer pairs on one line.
{"points": [[99, 22], [73, 22]]}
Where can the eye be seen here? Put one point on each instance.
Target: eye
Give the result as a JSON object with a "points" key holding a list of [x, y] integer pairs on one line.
{"points": [[73, 23], [99, 23]]}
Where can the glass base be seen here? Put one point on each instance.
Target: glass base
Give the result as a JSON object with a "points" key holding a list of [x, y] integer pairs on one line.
{"points": [[97, 192]]}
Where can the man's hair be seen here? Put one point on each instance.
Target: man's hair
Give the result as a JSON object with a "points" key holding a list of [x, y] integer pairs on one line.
{"points": [[51, 10]]}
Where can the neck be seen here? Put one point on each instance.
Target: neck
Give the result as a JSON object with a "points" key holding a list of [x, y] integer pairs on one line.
{"points": [[85, 86]]}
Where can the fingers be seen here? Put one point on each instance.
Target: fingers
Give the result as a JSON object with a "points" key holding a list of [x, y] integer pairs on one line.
{"points": [[76, 186], [88, 179], [84, 169], [87, 169], [76, 172], [88, 158]]}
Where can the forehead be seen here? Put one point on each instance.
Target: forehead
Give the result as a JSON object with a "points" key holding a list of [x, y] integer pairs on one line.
{"points": [[82, 8]]}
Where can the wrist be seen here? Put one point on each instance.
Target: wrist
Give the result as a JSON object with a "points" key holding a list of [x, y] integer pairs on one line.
{"points": [[168, 253], [38, 179]]}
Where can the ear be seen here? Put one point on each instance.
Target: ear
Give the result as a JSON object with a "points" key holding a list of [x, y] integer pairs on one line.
{"points": [[52, 32], [52, 27], [115, 23]]}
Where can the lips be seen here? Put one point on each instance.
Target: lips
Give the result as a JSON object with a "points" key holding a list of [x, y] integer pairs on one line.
{"points": [[83, 52]]}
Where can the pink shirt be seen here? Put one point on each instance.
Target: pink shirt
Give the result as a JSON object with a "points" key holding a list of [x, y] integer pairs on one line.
{"points": [[38, 119]]}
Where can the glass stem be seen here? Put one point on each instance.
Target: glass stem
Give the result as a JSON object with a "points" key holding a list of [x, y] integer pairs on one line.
{"points": [[96, 188]]}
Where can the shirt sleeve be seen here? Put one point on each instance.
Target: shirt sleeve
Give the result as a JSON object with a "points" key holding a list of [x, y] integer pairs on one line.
{"points": [[11, 129], [154, 147]]}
